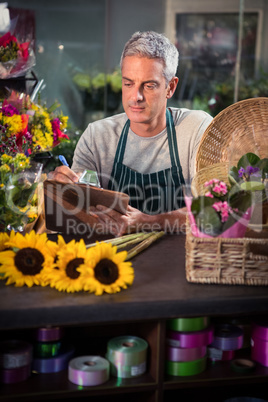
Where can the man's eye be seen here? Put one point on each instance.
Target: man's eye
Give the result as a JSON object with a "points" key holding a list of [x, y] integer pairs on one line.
{"points": [[127, 84], [149, 86]]}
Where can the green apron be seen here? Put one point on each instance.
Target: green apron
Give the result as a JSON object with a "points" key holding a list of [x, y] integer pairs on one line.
{"points": [[152, 193]]}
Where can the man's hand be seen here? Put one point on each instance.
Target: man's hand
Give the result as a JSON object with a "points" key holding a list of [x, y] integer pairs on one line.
{"points": [[63, 174], [136, 221]]}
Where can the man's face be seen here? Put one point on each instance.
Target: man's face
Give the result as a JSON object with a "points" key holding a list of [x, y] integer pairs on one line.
{"points": [[144, 92]]}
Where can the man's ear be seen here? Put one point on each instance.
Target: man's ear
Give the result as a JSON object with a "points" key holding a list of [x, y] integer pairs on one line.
{"points": [[172, 86]]}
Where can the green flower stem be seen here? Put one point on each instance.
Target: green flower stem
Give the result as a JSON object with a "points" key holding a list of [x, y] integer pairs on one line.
{"points": [[144, 244], [119, 240], [134, 241]]}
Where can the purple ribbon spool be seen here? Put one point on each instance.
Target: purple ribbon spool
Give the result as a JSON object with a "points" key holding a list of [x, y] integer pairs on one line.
{"points": [[228, 337], [15, 375], [194, 339], [54, 364], [48, 334], [185, 354]]}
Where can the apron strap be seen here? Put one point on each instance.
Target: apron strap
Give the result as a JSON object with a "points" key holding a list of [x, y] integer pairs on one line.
{"points": [[120, 151], [172, 140]]}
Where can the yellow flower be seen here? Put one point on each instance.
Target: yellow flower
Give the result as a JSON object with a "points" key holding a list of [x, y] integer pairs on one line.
{"points": [[108, 270], [64, 121], [28, 257], [14, 124], [6, 159], [5, 168], [69, 269], [4, 237]]}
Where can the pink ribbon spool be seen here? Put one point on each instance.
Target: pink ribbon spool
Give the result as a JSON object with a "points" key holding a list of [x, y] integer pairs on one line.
{"points": [[193, 339], [260, 330], [185, 354], [259, 351], [216, 355]]}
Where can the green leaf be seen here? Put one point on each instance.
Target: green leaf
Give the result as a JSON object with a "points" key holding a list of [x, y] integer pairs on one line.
{"points": [[263, 165], [241, 200], [201, 202], [248, 159], [233, 175], [208, 221], [252, 186]]}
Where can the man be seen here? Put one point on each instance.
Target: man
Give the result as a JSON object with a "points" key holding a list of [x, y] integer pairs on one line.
{"points": [[148, 151]]}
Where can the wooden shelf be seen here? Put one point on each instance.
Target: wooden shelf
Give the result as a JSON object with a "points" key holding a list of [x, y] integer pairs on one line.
{"points": [[159, 292]]}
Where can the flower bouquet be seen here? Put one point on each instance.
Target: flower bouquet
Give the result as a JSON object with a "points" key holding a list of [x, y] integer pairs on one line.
{"points": [[28, 127], [223, 211], [16, 57], [19, 178]]}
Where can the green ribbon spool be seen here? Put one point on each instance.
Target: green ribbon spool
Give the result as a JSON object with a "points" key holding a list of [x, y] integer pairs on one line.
{"points": [[127, 355], [186, 368], [47, 349], [188, 324]]}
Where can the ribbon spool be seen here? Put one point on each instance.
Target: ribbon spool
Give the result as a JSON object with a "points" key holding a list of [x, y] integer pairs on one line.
{"points": [[18, 374], [15, 354], [220, 355], [186, 368], [228, 337], [260, 330], [127, 355], [54, 364], [47, 349], [259, 351], [188, 324], [194, 339], [242, 365], [185, 354], [48, 334], [88, 370]]}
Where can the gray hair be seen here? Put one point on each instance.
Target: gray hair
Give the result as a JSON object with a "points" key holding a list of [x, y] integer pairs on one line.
{"points": [[153, 45]]}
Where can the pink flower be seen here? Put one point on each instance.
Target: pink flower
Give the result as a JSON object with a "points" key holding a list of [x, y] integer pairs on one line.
{"points": [[220, 188], [223, 208], [208, 194]]}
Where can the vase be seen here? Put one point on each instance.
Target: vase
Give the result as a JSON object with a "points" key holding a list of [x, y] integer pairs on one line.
{"points": [[18, 198]]}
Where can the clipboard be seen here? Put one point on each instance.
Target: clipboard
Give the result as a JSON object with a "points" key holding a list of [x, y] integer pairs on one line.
{"points": [[67, 204]]}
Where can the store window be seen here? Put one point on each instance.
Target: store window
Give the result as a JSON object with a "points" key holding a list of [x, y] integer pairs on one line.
{"points": [[208, 50]]}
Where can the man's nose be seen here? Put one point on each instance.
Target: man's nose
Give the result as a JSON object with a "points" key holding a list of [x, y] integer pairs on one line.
{"points": [[137, 94]]}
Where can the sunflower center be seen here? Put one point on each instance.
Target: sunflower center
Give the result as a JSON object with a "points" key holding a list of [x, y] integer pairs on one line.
{"points": [[71, 267], [29, 261], [106, 271]]}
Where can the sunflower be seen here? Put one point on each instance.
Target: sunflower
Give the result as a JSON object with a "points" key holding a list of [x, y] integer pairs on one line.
{"points": [[69, 268], [28, 255], [108, 272], [4, 237]]}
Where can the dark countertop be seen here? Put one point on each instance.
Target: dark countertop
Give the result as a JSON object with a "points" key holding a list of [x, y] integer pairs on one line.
{"points": [[160, 290]]}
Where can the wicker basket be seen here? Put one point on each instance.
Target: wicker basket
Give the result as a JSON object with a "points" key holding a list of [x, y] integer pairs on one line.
{"points": [[226, 261], [232, 133], [236, 130]]}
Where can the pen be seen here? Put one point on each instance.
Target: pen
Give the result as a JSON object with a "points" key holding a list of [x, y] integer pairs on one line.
{"points": [[63, 160]]}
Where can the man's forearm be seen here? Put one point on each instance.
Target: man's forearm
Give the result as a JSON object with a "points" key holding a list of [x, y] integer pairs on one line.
{"points": [[172, 222]]}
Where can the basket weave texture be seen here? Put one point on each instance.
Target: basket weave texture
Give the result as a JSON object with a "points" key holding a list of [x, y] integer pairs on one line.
{"points": [[240, 128], [236, 130]]}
